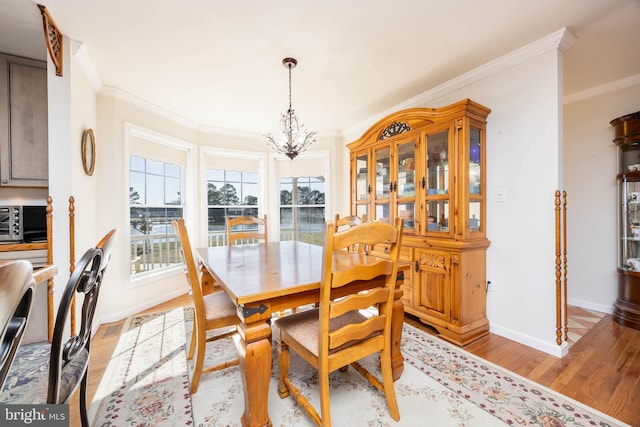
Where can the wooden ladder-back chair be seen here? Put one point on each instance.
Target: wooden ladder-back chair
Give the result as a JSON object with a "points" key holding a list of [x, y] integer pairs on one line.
{"points": [[212, 311], [44, 373], [342, 223], [337, 334], [246, 234], [17, 289]]}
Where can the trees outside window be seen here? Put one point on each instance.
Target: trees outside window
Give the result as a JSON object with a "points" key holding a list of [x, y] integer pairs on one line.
{"points": [[302, 209], [155, 199], [232, 193]]}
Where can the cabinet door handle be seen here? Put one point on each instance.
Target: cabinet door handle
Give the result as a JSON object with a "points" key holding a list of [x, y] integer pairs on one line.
{"points": [[369, 188], [423, 182], [417, 267]]}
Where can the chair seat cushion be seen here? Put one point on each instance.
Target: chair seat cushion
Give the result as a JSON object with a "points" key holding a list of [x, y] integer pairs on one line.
{"points": [[304, 328], [28, 378], [218, 305]]}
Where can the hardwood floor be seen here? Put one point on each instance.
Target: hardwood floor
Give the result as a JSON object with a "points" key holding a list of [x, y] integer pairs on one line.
{"points": [[602, 369]]}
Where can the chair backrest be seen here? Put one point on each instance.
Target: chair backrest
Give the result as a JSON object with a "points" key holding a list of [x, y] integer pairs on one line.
{"points": [[73, 354], [17, 288], [341, 223], [377, 274], [345, 222], [250, 229], [190, 269]]}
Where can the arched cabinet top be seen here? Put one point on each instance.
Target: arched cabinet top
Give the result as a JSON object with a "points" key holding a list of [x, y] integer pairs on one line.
{"points": [[415, 118]]}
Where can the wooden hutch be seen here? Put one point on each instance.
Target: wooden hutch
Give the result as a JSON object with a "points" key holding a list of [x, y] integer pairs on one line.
{"points": [[427, 165]]}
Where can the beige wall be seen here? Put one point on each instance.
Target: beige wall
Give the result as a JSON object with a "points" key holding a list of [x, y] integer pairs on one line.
{"points": [[590, 177]]}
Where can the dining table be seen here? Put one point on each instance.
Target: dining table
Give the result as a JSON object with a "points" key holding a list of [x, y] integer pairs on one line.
{"points": [[263, 280]]}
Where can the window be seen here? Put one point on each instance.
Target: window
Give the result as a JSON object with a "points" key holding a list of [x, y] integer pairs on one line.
{"points": [[232, 193], [302, 209], [155, 199]]}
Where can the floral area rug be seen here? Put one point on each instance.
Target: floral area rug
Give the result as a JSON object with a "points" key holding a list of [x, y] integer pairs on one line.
{"points": [[147, 384]]}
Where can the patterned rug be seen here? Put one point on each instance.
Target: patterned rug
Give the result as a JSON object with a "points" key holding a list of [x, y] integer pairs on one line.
{"points": [[146, 384]]}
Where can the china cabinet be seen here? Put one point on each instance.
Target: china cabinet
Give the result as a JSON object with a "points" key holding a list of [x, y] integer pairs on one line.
{"points": [[627, 139], [427, 166]]}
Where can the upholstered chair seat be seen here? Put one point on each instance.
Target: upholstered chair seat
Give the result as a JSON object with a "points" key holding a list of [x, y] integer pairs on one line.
{"points": [[32, 386]]}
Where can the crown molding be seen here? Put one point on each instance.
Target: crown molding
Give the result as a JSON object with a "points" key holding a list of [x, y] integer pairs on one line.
{"points": [[119, 95], [603, 89], [561, 39], [83, 60]]}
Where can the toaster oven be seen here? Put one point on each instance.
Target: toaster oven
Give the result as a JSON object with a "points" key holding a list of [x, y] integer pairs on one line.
{"points": [[23, 224], [10, 223]]}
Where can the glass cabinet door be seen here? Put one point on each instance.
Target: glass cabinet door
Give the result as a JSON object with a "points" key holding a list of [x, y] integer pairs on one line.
{"points": [[630, 224], [436, 182], [363, 186], [382, 184], [405, 186], [475, 190], [362, 178]]}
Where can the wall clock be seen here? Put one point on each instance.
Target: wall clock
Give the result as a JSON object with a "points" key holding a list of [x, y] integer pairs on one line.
{"points": [[88, 151]]}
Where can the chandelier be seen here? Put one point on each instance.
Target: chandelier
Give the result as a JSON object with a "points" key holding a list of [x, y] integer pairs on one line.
{"points": [[292, 139]]}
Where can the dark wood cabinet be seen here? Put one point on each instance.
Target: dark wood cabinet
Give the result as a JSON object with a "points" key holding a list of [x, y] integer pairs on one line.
{"points": [[626, 309]]}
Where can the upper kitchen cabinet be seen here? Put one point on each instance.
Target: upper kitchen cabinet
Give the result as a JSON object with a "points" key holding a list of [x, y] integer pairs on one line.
{"points": [[23, 122]]}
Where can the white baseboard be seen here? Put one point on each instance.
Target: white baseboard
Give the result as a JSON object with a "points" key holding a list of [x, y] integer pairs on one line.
{"points": [[544, 346], [588, 305], [141, 307]]}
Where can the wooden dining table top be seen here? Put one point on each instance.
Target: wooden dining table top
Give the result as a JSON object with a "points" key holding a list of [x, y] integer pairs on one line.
{"points": [[255, 272]]}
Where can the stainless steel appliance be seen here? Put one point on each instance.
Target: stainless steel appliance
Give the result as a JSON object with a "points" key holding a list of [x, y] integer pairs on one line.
{"points": [[10, 223], [23, 224]]}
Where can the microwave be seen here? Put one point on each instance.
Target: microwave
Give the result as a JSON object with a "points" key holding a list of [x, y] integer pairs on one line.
{"points": [[23, 224]]}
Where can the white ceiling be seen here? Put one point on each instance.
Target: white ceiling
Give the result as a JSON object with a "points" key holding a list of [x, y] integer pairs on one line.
{"points": [[218, 63]]}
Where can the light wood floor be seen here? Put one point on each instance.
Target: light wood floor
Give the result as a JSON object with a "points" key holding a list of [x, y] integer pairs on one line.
{"points": [[601, 370]]}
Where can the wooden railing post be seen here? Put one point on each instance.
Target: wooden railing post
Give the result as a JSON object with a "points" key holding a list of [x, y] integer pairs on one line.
{"points": [[558, 272], [72, 257]]}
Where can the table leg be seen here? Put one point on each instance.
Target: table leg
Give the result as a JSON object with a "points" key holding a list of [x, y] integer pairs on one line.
{"points": [[254, 350], [397, 321], [207, 282]]}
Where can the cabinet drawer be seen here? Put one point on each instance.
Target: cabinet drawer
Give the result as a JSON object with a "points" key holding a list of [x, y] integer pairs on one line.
{"points": [[382, 249], [407, 295]]}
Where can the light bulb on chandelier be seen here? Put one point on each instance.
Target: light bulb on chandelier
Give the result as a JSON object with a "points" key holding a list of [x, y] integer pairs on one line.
{"points": [[292, 138]]}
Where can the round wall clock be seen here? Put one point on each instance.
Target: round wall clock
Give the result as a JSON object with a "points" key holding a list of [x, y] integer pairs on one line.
{"points": [[88, 151]]}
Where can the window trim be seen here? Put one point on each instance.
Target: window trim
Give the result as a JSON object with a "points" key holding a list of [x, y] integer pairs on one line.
{"points": [[263, 204], [274, 199], [133, 130]]}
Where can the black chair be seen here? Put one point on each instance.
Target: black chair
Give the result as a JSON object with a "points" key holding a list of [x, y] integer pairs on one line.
{"points": [[44, 373], [16, 298]]}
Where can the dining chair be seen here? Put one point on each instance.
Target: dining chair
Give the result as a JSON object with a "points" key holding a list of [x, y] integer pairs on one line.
{"points": [[337, 333], [213, 311], [50, 373], [342, 223], [249, 229], [17, 289]]}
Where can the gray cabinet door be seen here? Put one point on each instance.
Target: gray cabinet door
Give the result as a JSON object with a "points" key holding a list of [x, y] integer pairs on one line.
{"points": [[23, 122]]}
